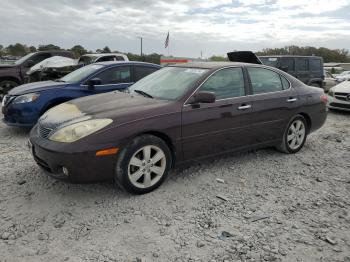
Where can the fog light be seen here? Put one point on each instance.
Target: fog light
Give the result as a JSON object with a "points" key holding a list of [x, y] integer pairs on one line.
{"points": [[65, 171]]}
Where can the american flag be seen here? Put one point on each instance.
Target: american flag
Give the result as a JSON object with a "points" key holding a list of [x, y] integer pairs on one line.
{"points": [[167, 40]]}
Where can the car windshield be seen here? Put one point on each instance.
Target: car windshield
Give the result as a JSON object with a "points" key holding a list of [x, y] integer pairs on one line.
{"points": [[80, 74], [86, 59], [169, 83], [22, 59], [269, 61]]}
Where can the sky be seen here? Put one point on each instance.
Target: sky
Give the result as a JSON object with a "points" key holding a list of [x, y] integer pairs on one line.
{"points": [[195, 26]]}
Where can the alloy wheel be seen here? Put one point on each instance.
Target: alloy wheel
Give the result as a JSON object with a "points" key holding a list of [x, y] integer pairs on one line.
{"points": [[296, 134], [147, 166], [4, 88]]}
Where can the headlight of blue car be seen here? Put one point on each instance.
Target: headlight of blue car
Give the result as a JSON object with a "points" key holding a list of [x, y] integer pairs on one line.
{"points": [[26, 98]]}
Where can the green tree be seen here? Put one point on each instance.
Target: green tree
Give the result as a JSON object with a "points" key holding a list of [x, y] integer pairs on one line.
{"points": [[78, 51], [17, 49], [218, 58], [32, 49], [48, 47], [106, 50]]}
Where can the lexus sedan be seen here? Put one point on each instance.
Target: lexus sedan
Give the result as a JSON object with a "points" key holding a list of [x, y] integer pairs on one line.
{"points": [[179, 113], [23, 105]]}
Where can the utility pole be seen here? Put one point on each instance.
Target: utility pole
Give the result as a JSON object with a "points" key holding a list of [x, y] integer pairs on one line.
{"points": [[141, 44]]}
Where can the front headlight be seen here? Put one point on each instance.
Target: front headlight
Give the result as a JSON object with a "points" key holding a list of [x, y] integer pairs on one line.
{"points": [[26, 98], [79, 130]]}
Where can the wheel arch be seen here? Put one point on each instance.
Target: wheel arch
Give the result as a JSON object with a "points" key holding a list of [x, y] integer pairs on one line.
{"points": [[10, 78], [53, 103], [308, 120], [165, 138]]}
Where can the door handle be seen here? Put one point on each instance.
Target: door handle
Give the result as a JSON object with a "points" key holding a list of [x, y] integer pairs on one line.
{"points": [[291, 100], [244, 107]]}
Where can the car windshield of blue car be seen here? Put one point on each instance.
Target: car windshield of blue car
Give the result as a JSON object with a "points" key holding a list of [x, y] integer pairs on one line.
{"points": [[169, 83], [80, 74]]}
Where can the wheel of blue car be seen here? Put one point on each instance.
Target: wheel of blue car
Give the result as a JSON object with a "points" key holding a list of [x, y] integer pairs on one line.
{"points": [[6, 86], [294, 136], [143, 165]]}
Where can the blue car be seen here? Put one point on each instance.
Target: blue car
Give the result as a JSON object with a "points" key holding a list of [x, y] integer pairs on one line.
{"points": [[26, 103]]}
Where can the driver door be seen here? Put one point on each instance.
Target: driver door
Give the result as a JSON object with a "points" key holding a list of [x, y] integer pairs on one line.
{"points": [[116, 78], [222, 126]]}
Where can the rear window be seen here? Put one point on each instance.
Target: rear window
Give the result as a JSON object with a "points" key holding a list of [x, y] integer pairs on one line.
{"points": [[269, 61], [315, 65], [265, 81], [301, 64]]}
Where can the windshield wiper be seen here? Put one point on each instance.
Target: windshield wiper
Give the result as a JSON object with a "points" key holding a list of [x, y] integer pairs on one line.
{"points": [[143, 93], [59, 80]]}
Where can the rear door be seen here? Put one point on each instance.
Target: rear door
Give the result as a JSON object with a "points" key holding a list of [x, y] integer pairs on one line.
{"points": [[273, 103], [213, 128]]}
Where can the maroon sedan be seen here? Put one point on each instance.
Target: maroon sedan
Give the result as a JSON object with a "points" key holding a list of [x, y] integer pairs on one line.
{"points": [[177, 114]]}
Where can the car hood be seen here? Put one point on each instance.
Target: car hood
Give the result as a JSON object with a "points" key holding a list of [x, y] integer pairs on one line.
{"points": [[35, 87], [118, 106], [343, 87]]}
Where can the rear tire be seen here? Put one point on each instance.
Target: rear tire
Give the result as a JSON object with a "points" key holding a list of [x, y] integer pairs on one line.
{"points": [[5, 86], [294, 136], [143, 165]]}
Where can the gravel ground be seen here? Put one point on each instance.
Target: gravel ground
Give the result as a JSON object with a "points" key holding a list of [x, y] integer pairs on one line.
{"points": [[255, 206]]}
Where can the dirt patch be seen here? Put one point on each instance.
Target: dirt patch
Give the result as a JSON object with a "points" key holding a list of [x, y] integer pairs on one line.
{"points": [[254, 206]]}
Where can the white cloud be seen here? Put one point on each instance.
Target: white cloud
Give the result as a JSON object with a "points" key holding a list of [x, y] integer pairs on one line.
{"points": [[212, 26]]}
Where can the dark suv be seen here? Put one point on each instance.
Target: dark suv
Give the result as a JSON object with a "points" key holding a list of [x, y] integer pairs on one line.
{"points": [[308, 69], [12, 75]]}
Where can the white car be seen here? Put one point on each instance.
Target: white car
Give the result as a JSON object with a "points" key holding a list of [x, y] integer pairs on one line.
{"points": [[343, 76], [339, 96]]}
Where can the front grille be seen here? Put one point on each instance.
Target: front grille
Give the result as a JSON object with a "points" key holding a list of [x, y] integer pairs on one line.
{"points": [[339, 105], [342, 96], [44, 132]]}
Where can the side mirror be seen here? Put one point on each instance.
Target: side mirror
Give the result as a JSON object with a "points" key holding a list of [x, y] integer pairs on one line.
{"points": [[91, 83], [30, 63], [203, 97], [284, 68]]}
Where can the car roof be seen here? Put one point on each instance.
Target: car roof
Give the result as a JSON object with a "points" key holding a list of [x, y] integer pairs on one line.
{"points": [[297, 56], [212, 65], [112, 63], [103, 54]]}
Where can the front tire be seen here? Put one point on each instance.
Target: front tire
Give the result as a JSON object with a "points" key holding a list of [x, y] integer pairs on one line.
{"points": [[143, 165], [294, 136]]}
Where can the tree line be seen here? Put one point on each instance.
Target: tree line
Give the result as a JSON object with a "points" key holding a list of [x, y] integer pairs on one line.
{"points": [[329, 55], [77, 50]]}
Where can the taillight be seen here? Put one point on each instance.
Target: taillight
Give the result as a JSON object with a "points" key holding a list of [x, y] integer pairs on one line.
{"points": [[324, 98]]}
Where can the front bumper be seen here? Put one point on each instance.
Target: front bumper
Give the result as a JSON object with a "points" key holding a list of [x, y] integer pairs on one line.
{"points": [[22, 115], [334, 103], [82, 166]]}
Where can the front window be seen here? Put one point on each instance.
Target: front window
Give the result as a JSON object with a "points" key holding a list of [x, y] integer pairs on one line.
{"points": [[80, 74], [86, 60], [269, 61], [24, 58], [226, 83], [115, 75], [169, 83]]}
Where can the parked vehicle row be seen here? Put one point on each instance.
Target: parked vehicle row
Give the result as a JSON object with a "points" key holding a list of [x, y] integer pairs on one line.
{"points": [[12, 75], [177, 114], [47, 65], [26, 103]]}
